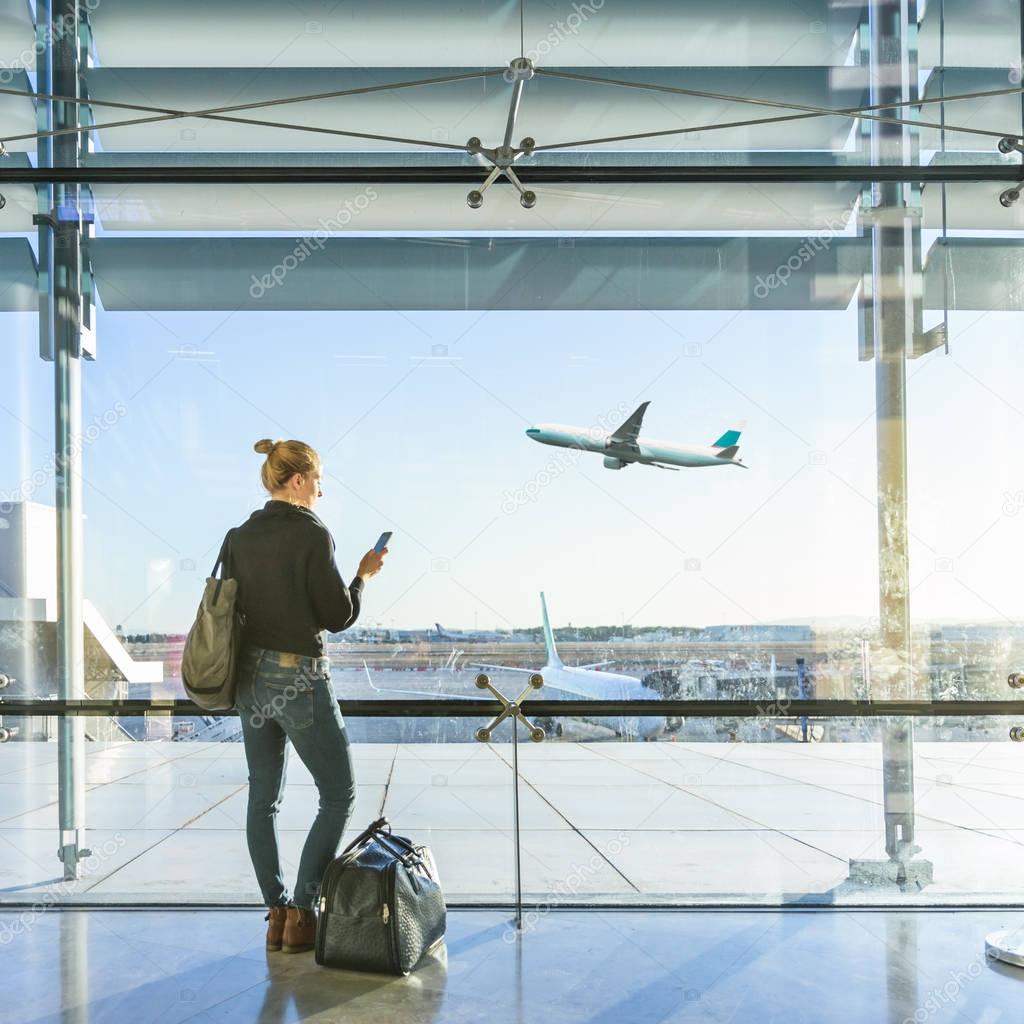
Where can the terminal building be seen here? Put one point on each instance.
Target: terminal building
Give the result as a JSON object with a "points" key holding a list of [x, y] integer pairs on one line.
{"points": [[773, 770]]}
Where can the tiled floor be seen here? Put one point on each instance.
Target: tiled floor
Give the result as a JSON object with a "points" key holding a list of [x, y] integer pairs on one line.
{"points": [[600, 967], [677, 822]]}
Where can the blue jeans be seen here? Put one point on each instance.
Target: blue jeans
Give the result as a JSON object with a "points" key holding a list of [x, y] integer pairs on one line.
{"points": [[281, 697]]}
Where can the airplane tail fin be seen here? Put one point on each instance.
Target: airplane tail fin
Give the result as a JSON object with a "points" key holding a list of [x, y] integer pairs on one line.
{"points": [[728, 445], [549, 637], [730, 439]]}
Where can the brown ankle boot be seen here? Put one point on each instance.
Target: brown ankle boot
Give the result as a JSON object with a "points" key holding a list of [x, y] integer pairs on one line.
{"points": [[275, 930], [299, 930]]}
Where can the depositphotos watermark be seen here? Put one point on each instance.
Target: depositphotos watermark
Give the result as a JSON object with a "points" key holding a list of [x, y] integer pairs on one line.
{"points": [[43, 42], [314, 241], [557, 465], [559, 31], [48, 470], [22, 923], [569, 886], [304, 681], [810, 247], [938, 998], [1013, 502]]}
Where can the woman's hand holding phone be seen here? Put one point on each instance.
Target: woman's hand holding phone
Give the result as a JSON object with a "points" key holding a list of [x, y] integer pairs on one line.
{"points": [[373, 561]]}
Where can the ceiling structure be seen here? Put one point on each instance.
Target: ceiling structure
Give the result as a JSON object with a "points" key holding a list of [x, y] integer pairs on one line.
{"points": [[651, 86]]}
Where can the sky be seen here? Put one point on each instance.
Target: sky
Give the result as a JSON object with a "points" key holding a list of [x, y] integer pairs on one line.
{"points": [[484, 518]]}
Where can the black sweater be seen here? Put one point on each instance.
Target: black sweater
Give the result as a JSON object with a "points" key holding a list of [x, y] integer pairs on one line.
{"points": [[289, 587]]}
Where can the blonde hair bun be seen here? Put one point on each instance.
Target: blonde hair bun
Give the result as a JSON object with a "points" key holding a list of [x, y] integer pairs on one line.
{"points": [[284, 460]]}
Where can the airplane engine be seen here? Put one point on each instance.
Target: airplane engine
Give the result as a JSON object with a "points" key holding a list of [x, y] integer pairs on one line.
{"points": [[575, 729], [610, 462]]}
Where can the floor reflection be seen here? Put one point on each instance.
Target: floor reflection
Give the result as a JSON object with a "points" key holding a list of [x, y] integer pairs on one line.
{"points": [[800, 966]]}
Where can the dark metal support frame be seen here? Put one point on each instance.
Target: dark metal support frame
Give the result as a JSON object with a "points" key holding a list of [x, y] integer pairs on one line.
{"points": [[537, 174], [443, 708]]}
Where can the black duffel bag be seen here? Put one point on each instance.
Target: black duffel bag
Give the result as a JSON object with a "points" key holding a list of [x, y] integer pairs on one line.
{"points": [[381, 904]]}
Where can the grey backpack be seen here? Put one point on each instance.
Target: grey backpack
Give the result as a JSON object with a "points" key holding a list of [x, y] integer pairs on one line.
{"points": [[211, 648]]}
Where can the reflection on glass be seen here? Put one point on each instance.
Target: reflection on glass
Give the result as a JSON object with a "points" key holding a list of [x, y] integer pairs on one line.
{"points": [[859, 335]]}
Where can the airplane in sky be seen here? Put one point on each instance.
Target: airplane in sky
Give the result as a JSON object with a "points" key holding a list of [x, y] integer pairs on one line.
{"points": [[624, 446], [582, 681]]}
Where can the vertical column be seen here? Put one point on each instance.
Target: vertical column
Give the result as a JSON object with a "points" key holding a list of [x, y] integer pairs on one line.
{"points": [[64, 222], [893, 217], [44, 192]]}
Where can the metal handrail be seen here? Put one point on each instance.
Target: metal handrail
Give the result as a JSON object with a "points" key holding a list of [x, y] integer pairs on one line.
{"points": [[426, 174], [471, 708]]}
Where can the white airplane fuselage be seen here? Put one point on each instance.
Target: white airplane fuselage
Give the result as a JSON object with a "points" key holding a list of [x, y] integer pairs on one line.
{"points": [[586, 682], [648, 450], [594, 685]]}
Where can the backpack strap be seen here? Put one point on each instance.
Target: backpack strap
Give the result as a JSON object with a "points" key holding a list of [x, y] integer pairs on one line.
{"points": [[224, 554], [223, 559]]}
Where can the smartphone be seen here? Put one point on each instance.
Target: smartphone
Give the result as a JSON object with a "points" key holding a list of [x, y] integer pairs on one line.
{"points": [[382, 542]]}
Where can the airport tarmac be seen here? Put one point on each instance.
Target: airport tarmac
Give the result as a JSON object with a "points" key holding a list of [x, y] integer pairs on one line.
{"points": [[633, 823]]}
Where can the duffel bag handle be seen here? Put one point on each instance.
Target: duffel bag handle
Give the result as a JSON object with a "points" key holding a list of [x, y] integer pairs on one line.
{"points": [[403, 848], [372, 829]]}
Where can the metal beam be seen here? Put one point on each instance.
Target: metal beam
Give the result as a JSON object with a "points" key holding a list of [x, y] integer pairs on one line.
{"points": [[538, 174], [449, 708]]}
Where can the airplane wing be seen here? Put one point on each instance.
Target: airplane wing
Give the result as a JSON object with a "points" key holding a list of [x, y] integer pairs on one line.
{"points": [[627, 432], [499, 668], [416, 693], [595, 664]]}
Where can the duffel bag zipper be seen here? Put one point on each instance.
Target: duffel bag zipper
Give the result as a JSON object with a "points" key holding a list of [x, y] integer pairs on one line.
{"points": [[389, 898], [326, 892]]}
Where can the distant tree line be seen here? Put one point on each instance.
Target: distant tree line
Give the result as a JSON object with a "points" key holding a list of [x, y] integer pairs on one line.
{"points": [[152, 638], [597, 634]]}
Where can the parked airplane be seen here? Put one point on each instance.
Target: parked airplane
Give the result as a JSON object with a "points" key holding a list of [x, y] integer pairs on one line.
{"points": [[581, 681], [623, 446], [441, 635], [585, 681], [471, 636]]}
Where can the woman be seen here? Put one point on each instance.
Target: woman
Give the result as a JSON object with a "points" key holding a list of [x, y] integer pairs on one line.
{"points": [[290, 591]]}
